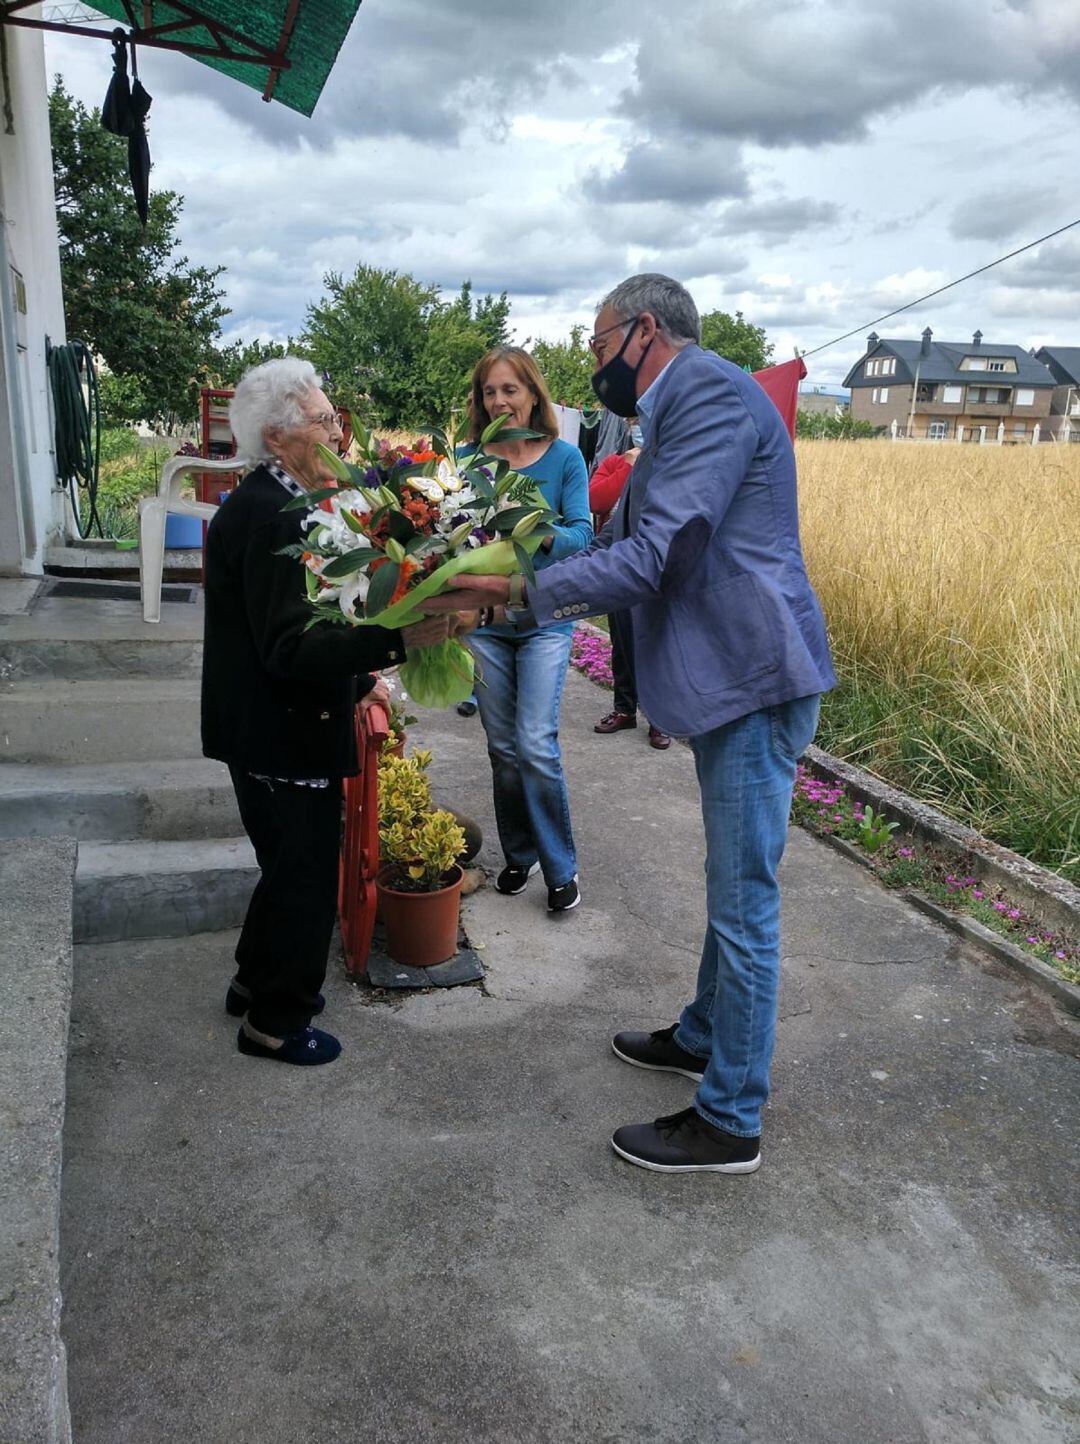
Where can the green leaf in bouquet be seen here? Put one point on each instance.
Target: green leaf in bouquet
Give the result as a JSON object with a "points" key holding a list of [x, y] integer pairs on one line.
{"points": [[296, 550], [494, 429], [311, 582], [399, 527], [310, 499], [334, 462], [354, 561], [394, 550], [516, 433], [351, 522], [439, 442], [525, 562], [505, 521], [382, 588]]}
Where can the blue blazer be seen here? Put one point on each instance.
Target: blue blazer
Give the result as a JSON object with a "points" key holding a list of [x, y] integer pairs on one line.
{"points": [[704, 547]]}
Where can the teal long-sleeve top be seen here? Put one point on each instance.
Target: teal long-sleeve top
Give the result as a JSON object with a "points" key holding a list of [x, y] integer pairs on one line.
{"points": [[562, 479]]}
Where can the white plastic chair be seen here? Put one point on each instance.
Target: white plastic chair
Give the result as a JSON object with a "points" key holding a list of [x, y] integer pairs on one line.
{"points": [[152, 513]]}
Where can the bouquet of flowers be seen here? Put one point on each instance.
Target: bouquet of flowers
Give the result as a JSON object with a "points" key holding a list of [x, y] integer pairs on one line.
{"points": [[405, 520]]}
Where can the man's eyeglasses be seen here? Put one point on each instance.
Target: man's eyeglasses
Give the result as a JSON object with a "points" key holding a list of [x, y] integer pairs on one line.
{"points": [[328, 420], [599, 351]]}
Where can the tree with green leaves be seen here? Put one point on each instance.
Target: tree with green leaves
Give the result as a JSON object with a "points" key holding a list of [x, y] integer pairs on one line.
{"points": [[392, 342], [230, 362], [140, 305], [567, 367], [736, 339]]}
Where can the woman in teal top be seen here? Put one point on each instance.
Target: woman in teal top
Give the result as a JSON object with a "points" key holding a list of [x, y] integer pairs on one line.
{"points": [[522, 670]]}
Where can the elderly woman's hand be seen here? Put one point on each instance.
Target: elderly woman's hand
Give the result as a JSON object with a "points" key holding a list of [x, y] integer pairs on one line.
{"points": [[378, 696], [428, 633], [462, 622]]}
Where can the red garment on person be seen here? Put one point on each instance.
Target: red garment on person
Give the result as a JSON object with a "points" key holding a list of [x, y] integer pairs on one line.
{"points": [[605, 486]]}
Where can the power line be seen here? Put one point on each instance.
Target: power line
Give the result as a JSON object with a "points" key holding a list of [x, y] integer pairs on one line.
{"points": [[931, 294]]}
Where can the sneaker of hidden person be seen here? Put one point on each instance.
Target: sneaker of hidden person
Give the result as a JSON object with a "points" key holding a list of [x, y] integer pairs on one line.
{"points": [[659, 1051], [685, 1142], [562, 899], [514, 879], [615, 722]]}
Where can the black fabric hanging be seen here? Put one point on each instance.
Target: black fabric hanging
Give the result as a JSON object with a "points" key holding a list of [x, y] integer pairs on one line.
{"points": [[124, 113]]}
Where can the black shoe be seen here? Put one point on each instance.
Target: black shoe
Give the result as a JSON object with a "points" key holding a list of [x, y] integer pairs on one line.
{"points": [[468, 708], [237, 1003], [658, 1051], [686, 1143], [307, 1049], [513, 880], [562, 899]]}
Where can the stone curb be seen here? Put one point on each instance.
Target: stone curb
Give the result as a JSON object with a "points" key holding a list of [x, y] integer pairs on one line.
{"points": [[1034, 969], [1054, 900]]}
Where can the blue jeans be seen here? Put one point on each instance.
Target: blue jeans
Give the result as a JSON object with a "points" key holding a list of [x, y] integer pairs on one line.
{"points": [[746, 771], [519, 691]]}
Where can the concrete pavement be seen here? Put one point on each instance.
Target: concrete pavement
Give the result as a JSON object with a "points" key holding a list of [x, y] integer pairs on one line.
{"points": [[431, 1240]]}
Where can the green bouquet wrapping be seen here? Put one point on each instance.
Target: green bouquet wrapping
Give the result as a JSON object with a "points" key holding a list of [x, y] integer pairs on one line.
{"points": [[403, 523]]}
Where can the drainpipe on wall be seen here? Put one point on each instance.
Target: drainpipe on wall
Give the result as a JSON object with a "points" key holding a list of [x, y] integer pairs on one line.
{"points": [[914, 393], [14, 417]]}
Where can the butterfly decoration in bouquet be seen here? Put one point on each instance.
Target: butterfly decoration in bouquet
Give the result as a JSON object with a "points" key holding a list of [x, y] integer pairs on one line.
{"points": [[401, 522]]}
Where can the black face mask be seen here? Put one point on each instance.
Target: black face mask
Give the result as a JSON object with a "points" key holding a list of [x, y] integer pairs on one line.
{"points": [[616, 381]]}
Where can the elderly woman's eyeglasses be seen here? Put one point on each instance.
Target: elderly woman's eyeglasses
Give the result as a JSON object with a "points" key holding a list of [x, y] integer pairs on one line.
{"points": [[599, 351], [328, 420]]}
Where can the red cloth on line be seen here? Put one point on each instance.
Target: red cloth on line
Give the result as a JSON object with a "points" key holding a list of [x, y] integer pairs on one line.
{"points": [[781, 385]]}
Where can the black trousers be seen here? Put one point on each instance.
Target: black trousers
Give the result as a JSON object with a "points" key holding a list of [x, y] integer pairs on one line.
{"points": [[281, 955], [621, 628]]}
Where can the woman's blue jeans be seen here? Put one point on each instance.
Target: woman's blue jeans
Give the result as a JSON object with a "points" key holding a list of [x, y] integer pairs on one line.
{"points": [[520, 689], [746, 771]]}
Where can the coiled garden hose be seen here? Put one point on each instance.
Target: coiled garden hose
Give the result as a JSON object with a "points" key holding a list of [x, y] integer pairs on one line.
{"points": [[78, 429]]}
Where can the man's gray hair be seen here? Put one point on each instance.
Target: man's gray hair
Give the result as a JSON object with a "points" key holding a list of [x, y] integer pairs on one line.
{"points": [[272, 394], [671, 304]]}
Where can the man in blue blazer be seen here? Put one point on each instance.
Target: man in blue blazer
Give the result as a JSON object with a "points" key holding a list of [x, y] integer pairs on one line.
{"points": [[730, 651]]}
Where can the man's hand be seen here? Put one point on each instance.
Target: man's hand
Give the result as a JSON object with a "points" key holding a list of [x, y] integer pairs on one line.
{"points": [[426, 634], [469, 593]]}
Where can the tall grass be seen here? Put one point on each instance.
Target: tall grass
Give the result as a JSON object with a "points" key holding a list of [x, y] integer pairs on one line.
{"points": [[950, 580]]}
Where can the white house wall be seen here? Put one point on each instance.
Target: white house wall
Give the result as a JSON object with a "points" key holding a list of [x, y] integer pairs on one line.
{"points": [[31, 507]]}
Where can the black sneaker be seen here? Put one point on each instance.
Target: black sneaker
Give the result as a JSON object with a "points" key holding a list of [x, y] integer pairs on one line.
{"points": [[686, 1143], [513, 880], [562, 899], [658, 1051]]}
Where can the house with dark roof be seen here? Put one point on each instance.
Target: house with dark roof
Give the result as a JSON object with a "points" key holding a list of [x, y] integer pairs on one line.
{"points": [[951, 391], [1063, 363]]}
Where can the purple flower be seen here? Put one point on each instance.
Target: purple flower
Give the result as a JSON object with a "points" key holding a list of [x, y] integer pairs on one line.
{"points": [[1014, 913], [905, 852], [975, 893], [999, 907]]}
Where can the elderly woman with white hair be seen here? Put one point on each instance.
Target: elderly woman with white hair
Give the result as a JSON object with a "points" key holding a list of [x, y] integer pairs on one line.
{"points": [[277, 707]]}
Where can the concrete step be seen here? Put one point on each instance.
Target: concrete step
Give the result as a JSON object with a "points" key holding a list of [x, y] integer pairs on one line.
{"points": [[137, 719], [27, 657], [35, 981], [164, 801], [161, 889]]}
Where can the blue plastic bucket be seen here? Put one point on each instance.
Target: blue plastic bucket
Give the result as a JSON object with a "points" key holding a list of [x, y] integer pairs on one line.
{"points": [[183, 532]]}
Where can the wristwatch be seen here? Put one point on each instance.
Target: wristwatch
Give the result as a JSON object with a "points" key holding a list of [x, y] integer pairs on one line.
{"points": [[515, 598]]}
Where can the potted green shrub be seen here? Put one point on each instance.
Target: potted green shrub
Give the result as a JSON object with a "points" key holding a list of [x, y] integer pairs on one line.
{"points": [[419, 888]]}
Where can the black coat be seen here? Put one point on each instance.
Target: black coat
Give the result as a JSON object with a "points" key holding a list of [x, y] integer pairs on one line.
{"points": [[277, 699]]}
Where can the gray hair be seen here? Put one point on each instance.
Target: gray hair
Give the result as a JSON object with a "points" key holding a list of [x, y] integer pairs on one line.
{"points": [[271, 394], [671, 304]]}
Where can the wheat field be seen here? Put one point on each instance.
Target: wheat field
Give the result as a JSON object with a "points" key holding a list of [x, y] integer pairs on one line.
{"points": [[950, 581]]}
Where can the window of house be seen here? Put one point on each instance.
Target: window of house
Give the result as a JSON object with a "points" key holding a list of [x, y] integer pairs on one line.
{"points": [[952, 395], [995, 366], [1025, 396], [937, 430], [925, 391], [1019, 428], [888, 366], [872, 368], [879, 394]]}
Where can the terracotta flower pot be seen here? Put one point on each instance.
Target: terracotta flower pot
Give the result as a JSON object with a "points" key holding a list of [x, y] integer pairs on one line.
{"points": [[398, 749], [421, 927]]}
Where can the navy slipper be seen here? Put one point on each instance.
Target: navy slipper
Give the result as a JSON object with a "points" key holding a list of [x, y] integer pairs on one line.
{"points": [[308, 1048]]}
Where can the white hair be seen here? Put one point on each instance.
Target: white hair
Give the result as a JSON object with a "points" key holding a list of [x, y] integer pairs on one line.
{"points": [[270, 395]]}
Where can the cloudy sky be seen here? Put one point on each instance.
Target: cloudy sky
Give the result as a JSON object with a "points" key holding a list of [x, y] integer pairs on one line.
{"points": [[811, 162]]}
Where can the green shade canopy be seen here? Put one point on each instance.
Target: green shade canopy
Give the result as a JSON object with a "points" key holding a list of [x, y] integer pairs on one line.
{"points": [[283, 48]]}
